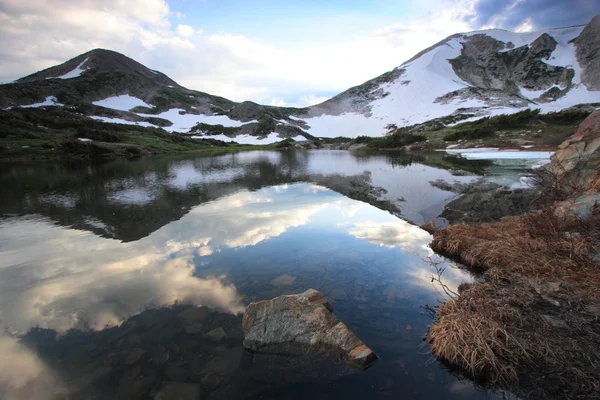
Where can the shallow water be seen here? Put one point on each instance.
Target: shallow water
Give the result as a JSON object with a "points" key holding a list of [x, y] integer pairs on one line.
{"points": [[102, 268]]}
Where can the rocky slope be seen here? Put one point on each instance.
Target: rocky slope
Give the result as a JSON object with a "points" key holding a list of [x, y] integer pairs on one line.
{"points": [[466, 75]]}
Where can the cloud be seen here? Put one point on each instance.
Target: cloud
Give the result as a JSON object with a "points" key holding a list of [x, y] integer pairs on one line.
{"points": [[532, 14], [38, 34], [185, 30]]}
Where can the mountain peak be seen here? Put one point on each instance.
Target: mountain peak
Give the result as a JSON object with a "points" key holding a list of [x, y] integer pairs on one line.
{"points": [[98, 61]]}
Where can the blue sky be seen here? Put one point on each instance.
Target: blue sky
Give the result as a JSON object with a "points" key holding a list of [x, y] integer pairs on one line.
{"points": [[290, 53]]}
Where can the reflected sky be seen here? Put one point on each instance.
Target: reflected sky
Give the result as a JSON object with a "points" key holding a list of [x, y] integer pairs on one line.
{"points": [[60, 278]]}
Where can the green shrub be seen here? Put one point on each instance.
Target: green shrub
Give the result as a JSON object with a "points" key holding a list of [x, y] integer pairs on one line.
{"points": [[361, 140], [99, 135], [395, 140], [87, 150]]}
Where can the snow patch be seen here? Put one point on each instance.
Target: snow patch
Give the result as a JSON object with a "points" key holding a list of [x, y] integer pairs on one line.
{"points": [[124, 102], [496, 154], [82, 139], [50, 101], [245, 139], [75, 73], [184, 122], [123, 121]]}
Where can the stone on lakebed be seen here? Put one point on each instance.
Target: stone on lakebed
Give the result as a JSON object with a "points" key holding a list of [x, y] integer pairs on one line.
{"points": [[302, 324]]}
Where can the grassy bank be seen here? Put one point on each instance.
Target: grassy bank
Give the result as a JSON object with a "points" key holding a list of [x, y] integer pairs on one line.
{"points": [[531, 323]]}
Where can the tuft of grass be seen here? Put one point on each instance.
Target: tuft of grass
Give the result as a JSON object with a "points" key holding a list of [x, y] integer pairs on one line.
{"points": [[506, 329]]}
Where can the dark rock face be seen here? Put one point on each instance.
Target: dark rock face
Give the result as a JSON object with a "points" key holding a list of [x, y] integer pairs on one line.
{"points": [[302, 324], [484, 63], [588, 54]]}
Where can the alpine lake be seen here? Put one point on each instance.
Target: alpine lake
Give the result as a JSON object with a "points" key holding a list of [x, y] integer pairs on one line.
{"points": [[129, 279]]}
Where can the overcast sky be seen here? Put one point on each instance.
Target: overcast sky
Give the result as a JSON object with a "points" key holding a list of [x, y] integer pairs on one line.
{"points": [[293, 53]]}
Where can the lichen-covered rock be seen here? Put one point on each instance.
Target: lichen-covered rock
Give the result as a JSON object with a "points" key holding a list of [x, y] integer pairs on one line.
{"points": [[302, 324], [577, 159]]}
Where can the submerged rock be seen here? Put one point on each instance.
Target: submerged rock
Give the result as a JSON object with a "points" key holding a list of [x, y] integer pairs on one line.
{"points": [[302, 324]]}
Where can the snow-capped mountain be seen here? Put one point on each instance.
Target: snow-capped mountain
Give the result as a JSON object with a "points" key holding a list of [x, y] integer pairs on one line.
{"points": [[483, 73], [469, 74]]}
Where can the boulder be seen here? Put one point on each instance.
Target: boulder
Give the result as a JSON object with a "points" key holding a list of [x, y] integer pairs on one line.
{"points": [[577, 158], [302, 324]]}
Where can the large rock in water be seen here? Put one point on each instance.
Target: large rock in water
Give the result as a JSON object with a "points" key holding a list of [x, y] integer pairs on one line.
{"points": [[302, 324]]}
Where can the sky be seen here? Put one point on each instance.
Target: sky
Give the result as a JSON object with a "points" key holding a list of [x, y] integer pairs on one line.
{"points": [[285, 53]]}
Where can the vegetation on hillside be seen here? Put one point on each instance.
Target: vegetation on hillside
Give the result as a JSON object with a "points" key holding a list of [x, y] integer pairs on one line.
{"points": [[53, 132]]}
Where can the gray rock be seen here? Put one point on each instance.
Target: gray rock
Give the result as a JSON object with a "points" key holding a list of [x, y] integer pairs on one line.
{"points": [[192, 315], [224, 363], [216, 334], [284, 280], [587, 45], [134, 355], [178, 391], [194, 328], [580, 208], [302, 324]]}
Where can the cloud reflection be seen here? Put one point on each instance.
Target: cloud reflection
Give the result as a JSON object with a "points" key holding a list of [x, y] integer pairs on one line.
{"points": [[410, 238], [393, 234], [22, 374], [60, 279]]}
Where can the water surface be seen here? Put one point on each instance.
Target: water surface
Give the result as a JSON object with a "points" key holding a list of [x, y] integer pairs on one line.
{"points": [[129, 279]]}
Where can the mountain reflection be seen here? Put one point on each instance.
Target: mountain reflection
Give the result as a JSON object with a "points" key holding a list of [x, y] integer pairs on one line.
{"points": [[128, 200]]}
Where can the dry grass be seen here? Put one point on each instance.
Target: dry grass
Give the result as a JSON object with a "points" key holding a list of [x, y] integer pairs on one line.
{"points": [[532, 324]]}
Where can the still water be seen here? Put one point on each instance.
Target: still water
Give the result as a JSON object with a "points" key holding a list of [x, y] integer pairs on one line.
{"points": [[129, 279]]}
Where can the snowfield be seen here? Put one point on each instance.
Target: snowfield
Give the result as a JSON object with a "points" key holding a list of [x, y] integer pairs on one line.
{"points": [[124, 102]]}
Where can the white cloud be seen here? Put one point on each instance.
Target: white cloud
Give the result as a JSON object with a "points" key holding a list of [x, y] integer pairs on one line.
{"points": [[37, 34], [185, 30]]}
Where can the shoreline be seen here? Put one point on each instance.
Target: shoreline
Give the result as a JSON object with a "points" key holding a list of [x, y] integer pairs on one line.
{"points": [[530, 325]]}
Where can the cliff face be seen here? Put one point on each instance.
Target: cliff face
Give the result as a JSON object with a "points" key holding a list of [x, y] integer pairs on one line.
{"points": [[588, 54]]}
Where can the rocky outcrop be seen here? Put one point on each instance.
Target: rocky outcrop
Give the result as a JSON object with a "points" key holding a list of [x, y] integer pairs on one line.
{"points": [[484, 63], [302, 324], [588, 54], [484, 201], [576, 162]]}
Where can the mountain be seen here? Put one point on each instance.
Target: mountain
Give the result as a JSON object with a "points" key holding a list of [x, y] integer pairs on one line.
{"points": [[478, 73], [107, 86], [467, 75]]}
